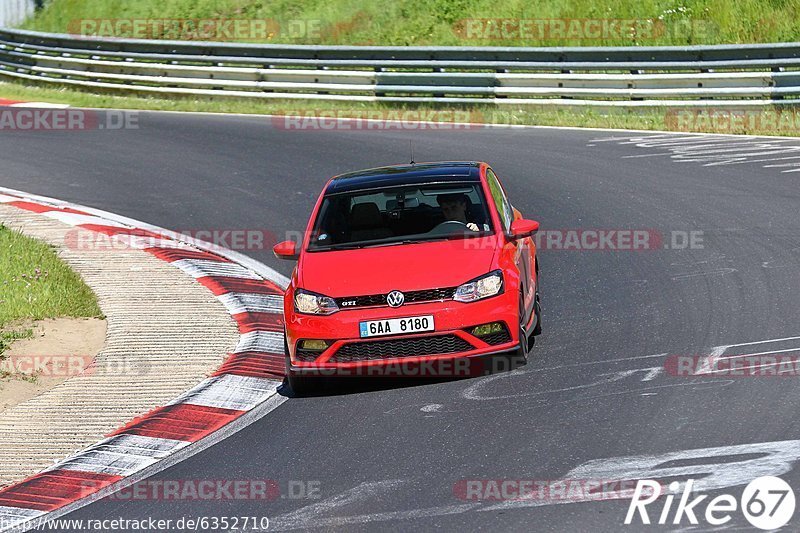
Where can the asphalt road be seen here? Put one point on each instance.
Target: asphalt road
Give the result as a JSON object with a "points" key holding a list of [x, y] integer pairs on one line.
{"points": [[390, 457]]}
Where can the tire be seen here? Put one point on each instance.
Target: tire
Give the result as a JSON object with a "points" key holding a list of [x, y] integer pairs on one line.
{"points": [[521, 353], [537, 308], [300, 385]]}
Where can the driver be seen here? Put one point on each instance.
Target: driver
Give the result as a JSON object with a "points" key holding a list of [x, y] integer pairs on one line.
{"points": [[454, 208]]}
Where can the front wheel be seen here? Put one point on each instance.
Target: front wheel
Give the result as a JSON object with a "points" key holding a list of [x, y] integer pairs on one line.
{"points": [[521, 353], [537, 308]]}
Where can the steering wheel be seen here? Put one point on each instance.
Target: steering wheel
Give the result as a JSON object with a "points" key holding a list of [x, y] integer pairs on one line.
{"points": [[448, 226]]}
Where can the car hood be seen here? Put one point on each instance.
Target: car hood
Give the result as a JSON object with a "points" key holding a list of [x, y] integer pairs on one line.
{"points": [[404, 267]]}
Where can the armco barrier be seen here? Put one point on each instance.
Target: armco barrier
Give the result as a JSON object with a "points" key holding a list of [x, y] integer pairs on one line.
{"points": [[695, 75]]}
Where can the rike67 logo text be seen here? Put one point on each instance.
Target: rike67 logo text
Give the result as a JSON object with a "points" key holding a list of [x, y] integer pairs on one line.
{"points": [[767, 503]]}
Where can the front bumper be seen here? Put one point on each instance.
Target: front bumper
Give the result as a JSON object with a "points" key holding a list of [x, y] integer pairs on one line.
{"points": [[450, 339]]}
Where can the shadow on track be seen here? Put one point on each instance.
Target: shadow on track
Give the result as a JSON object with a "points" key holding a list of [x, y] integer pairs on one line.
{"points": [[339, 386]]}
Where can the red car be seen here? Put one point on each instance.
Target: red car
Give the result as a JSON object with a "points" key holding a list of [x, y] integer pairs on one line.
{"points": [[409, 264]]}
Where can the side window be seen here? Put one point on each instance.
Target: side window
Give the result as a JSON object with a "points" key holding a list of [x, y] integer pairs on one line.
{"points": [[500, 200]]}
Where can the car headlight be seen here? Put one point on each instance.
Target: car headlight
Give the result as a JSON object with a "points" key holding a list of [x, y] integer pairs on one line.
{"points": [[480, 288], [311, 303]]}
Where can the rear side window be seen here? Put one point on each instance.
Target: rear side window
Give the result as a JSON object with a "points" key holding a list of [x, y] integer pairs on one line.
{"points": [[500, 200]]}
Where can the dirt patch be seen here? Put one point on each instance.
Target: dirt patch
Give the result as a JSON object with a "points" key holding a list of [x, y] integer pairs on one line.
{"points": [[59, 349]]}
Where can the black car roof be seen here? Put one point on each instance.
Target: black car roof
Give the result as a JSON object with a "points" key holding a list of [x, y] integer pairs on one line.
{"points": [[405, 175]]}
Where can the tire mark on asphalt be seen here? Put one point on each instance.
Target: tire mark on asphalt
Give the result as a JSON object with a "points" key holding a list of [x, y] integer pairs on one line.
{"points": [[714, 468], [715, 150]]}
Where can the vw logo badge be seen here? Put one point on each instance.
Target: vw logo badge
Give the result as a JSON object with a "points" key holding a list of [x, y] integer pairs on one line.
{"points": [[395, 299]]}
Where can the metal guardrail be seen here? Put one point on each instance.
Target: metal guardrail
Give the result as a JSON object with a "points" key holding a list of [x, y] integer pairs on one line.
{"points": [[695, 75]]}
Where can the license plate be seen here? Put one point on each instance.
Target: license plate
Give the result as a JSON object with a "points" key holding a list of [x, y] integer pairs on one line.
{"points": [[396, 326]]}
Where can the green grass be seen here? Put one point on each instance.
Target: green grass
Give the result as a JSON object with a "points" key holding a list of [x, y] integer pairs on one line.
{"points": [[6, 339], [35, 284], [441, 22], [529, 114]]}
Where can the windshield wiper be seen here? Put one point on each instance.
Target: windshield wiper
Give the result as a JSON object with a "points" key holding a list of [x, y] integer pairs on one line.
{"points": [[471, 235], [337, 247], [395, 243], [373, 244], [418, 241], [357, 246]]}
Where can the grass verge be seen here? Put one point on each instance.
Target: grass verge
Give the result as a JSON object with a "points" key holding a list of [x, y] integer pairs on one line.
{"points": [[35, 284], [6, 339], [438, 22]]}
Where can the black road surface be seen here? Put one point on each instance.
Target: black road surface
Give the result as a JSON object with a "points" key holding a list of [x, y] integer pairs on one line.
{"points": [[595, 388]]}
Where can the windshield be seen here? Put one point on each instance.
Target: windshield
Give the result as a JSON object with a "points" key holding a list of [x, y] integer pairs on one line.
{"points": [[403, 214]]}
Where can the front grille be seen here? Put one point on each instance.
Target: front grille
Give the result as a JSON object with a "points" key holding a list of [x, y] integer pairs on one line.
{"points": [[372, 300], [431, 295], [307, 356], [369, 351]]}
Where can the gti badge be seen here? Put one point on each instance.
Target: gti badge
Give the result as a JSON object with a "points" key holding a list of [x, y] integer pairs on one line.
{"points": [[395, 299]]}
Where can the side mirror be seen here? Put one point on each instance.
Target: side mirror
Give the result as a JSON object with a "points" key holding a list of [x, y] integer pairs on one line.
{"points": [[523, 228], [286, 250]]}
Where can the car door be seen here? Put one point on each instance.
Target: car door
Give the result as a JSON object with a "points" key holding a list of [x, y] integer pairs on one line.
{"points": [[523, 254]]}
